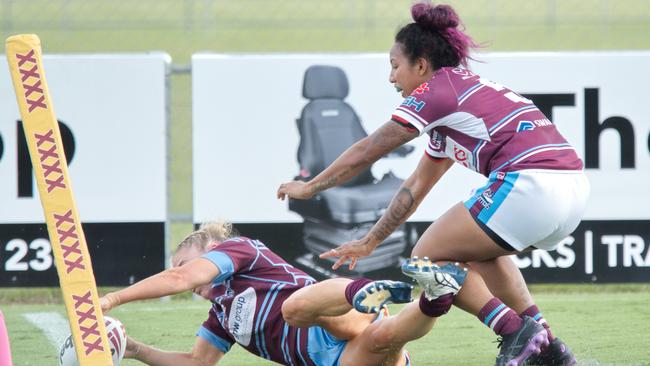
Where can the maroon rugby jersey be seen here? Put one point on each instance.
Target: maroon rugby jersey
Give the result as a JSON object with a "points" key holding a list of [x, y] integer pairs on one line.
{"points": [[484, 126], [247, 297]]}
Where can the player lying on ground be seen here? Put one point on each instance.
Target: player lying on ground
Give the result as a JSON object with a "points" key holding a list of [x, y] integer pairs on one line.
{"points": [[251, 288]]}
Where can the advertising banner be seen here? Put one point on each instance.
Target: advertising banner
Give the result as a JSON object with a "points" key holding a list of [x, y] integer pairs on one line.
{"points": [[246, 142], [111, 112]]}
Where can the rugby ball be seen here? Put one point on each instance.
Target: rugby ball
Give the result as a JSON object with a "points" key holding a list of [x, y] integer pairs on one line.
{"points": [[116, 339]]}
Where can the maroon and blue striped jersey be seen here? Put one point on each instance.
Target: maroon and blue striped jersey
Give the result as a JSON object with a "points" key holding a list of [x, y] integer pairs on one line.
{"points": [[483, 125], [247, 297]]}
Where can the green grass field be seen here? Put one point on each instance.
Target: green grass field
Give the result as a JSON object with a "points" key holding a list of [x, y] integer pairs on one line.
{"points": [[605, 325]]}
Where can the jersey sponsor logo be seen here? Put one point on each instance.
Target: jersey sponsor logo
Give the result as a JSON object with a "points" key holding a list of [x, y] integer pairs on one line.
{"points": [[542, 122], [485, 199], [242, 313], [459, 153], [530, 125], [525, 126], [424, 87], [410, 101]]}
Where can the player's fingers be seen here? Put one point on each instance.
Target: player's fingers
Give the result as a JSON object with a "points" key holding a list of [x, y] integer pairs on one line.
{"points": [[105, 304], [353, 263], [329, 254], [281, 192], [340, 262]]}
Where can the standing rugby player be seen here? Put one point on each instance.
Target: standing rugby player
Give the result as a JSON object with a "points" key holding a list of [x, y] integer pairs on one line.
{"points": [[535, 195]]}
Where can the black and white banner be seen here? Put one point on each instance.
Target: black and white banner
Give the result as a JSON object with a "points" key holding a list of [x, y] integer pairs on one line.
{"points": [[246, 127], [597, 251], [112, 112]]}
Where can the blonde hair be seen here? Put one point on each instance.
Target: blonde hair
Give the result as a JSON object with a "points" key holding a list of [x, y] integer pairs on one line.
{"points": [[208, 232]]}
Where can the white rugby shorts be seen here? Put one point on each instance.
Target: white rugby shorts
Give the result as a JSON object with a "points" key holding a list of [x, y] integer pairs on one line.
{"points": [[530, 208]]}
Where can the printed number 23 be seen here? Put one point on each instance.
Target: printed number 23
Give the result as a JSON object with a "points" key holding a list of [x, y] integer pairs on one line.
{"points": [[42, 262], [510, 94]]}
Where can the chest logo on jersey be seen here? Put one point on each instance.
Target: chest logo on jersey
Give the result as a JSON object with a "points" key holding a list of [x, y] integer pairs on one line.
{"points": [[424, 87], [460, 154], [530, 125], [242, 313], [410, 101], [525, 126]]}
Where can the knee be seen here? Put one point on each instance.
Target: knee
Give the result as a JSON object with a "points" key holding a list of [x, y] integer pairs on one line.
{"points": [[381, 338], [292, 311], [422, 252]]}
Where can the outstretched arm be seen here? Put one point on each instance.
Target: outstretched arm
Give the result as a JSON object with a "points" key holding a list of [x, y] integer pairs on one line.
{"points": [[171, 281], [352, 162], [401, 207], [409, 197], [202, 354]]}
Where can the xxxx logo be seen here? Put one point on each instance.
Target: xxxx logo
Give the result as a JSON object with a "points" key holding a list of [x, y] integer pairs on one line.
{"points": [[66, 230], [50, 160], [31, 79], [88, 325]]}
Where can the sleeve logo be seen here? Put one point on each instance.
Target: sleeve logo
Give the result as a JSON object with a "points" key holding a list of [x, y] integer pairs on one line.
{"points": [[424, 87], [410, 101], [436, 141]]}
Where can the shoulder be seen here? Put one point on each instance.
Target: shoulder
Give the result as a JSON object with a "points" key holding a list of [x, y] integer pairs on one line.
{"points": [[240, 249], [239, 242], [457, 78], [438, 94]]}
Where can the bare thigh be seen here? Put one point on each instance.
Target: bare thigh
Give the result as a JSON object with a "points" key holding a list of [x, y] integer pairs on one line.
{"points": [[362, 351], [382, 342], [455, 236], [347, 326], [324, 304]]}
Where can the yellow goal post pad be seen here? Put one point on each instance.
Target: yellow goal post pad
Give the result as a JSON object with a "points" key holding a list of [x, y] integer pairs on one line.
{"points": [[71, 255]]}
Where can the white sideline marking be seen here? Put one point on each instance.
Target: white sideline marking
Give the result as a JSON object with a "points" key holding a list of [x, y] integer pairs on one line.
{"points": [[55, 327]]}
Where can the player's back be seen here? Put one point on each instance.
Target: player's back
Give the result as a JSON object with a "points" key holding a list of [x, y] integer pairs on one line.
{"points": [[519, 136], [484, 126], [247, 300]]}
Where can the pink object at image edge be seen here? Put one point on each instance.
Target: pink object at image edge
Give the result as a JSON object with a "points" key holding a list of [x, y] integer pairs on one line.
{"points": [[5, 351]]}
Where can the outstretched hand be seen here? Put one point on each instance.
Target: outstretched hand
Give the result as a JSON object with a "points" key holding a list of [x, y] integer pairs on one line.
{"points": [[351, 251], [132, 348], [109, 301], [295, 189]]}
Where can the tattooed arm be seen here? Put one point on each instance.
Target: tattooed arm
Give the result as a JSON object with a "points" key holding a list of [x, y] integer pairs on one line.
{"points": [[352, 162], [409, 197], [403, 204]]}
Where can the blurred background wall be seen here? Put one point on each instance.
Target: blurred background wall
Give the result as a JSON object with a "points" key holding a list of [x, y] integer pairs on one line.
{"points": [[181, 28]]}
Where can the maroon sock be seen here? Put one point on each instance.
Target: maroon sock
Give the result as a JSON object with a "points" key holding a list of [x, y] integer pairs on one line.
{"points": [[354, 286], [534, 313], [437, 307], [503, 320]]}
